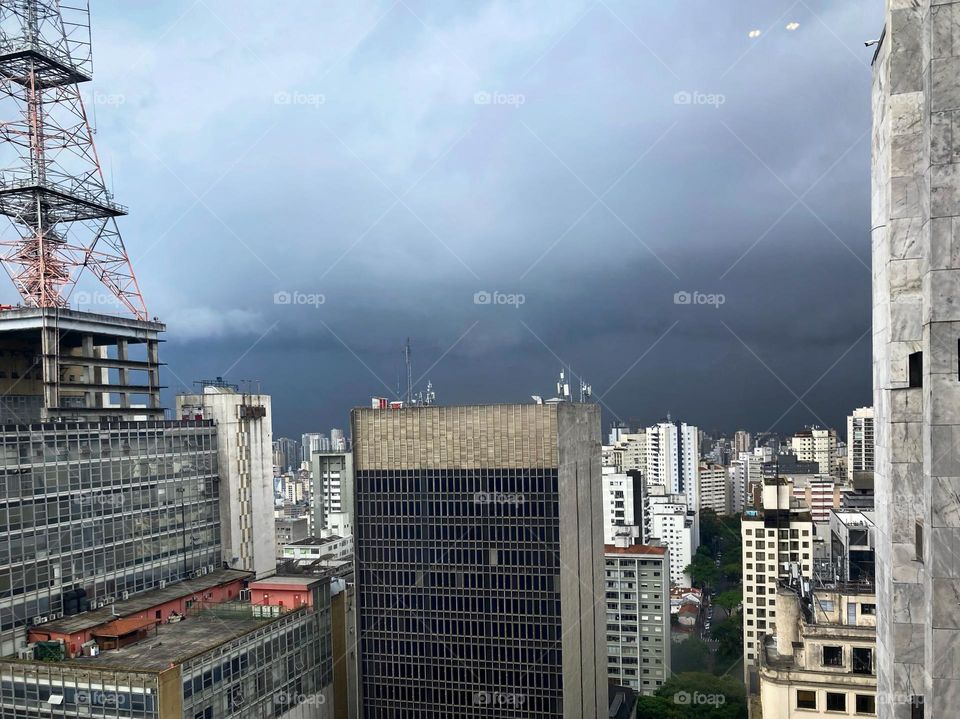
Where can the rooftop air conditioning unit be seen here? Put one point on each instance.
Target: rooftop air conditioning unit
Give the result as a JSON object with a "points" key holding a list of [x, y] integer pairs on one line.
{"points": [[163, 583]]}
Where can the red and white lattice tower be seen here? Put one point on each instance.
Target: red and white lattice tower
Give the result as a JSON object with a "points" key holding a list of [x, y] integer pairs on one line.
{"points": [[52, 189]]}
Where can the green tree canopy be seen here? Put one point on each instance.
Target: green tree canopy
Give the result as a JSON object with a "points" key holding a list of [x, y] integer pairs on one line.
{"points": [[695, 695]]}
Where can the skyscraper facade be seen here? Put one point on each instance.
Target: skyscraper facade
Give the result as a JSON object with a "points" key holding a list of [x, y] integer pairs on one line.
{"points": [[479, 558]]}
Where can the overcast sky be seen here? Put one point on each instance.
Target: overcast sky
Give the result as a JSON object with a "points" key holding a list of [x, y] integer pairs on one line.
{"points": [[379, 164]]}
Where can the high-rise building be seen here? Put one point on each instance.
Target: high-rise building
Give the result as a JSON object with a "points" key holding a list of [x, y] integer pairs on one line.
{"points": [[816, 445], [332, 503], [746, 472], [479, 556], [311, 442], [638, 614], [916, 204], [338, 443], [623, 505], [286, 454], [673, 457], [742, 442], [860, 442], [777, 543], [245, 451], [634, 449], [714, 488], [817, 493], [95, 510], [670, 519]]}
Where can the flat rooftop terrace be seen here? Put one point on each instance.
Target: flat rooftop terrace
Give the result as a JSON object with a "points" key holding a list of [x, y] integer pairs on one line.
{"points": [[142, 602], [174, 643]]}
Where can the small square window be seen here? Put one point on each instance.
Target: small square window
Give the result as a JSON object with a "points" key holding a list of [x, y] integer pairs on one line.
{"points": [[806, 699], [836, 702], [866, 704], [833, 656]]}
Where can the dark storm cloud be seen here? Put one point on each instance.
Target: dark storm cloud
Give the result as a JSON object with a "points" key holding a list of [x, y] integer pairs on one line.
{"points": [[379, 165]]}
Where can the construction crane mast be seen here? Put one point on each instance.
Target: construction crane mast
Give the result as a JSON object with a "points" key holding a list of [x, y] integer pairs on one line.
{"points": [[62, 217]]}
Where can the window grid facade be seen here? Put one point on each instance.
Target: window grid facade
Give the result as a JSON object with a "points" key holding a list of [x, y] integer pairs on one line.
{"points": [[90, 511], [460, 602]]}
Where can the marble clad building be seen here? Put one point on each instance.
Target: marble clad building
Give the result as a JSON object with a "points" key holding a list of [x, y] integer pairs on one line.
{"points": [[916, 327]]}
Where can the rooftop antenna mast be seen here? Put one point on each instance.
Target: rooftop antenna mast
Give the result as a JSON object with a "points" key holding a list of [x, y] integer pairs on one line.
{"points": [[409, 364], [563, 386], [52, 189]]}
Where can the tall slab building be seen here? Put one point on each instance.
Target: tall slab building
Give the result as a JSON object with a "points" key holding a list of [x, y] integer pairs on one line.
{"points": [[916, 326], [245, 454], [479, 561]]}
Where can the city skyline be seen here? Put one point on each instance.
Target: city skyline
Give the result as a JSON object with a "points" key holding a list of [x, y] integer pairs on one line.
{"points": [[189, 163], [345, 524]]}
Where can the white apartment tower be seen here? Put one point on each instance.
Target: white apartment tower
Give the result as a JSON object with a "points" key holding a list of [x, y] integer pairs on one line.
{"points": [[332, 493], [860, 442], [245, 465], [623, 505], [671, 520], [746, 471], [714, 488], [673, 457], [638, 614]]}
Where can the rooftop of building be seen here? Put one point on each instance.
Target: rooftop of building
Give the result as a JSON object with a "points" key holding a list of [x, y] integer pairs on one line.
{"points": [[634, 549], [317, 568], [286, 580], [315, 541], [855, 519], [143, 601], [292, 520], [170, 644], [34, 318]]}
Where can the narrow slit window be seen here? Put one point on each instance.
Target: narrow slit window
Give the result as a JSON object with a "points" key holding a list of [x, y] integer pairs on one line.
{"points": [[918, 541], [915, 369]]}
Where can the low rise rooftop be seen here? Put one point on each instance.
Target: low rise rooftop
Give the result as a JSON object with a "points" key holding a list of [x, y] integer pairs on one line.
{"points": [[143, 601], [170, 644]]}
